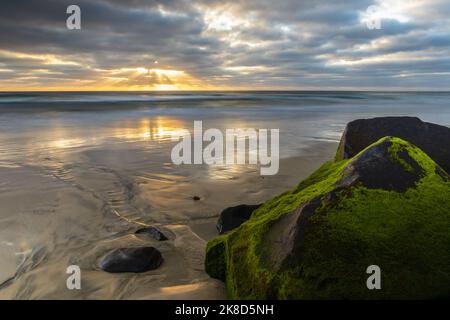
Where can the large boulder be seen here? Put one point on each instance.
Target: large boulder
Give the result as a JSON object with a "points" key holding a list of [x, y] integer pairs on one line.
{"points": [[233, 217], [388, 206], [132, 260], [433, 139]]}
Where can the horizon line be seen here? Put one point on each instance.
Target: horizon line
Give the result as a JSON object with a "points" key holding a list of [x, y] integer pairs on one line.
{"points": [[225, 90]]}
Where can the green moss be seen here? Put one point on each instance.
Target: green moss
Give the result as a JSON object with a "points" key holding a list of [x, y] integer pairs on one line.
{"points": [[395, 150], [340, 151], [215, 258], [406, 234]]}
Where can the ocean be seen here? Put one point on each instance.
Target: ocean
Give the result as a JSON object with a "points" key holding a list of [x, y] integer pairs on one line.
{"points": [[81, 171]]}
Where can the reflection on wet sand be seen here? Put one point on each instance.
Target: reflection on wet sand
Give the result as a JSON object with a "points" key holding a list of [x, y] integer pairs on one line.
{"points": [[74, 188], [157, 129]]}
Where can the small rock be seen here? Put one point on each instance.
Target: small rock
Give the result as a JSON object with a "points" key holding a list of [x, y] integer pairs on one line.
{"points": [[195, 198], [154, 232], [132, 260], [233, 217]]}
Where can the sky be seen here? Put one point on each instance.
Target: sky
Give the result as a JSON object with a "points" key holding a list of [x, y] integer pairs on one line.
{"points": [[226, 45]]}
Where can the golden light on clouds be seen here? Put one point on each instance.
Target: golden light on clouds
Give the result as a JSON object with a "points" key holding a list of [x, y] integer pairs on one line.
{"points": [[248, 69], [45, 59], [226, 45], [142, 78], [48, 72], [391, 57]]}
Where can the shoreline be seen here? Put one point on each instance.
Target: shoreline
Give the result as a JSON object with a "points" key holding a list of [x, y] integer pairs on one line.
{"points": [[71, 202]]}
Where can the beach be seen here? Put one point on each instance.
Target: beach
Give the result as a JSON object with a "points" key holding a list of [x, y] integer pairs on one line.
{"points": [[80, 173]]}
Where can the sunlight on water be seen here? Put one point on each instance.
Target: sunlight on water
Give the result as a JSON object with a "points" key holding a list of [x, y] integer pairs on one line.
{"points": [[158, 129]]}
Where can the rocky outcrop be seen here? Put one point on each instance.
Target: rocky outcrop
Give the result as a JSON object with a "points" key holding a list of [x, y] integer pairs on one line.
{"points": [[131, 260], [433, 139], [233, 217], [388, 205]]}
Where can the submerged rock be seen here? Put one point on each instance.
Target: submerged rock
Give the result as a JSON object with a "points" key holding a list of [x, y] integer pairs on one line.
{"points": [[433, 139], [154, 232], [233, 217], [132, 260], [388, 206]]}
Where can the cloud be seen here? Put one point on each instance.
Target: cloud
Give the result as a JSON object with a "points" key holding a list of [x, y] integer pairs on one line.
{"points": [[252, 44]]}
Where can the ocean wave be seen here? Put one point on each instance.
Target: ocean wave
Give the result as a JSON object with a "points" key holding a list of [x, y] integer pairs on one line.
{"points": [[288, 98], [137, 97], [111, 98]]}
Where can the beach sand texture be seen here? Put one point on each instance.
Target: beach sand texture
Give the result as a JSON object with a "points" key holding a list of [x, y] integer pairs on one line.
{"points": [[77, 180]]}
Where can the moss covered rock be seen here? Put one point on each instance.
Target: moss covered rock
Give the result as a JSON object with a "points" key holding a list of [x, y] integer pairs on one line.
{"points": [[432, 138], [389, 206]]}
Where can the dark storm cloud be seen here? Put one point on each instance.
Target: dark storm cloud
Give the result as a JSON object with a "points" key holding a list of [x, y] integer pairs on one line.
{"points": [[252, 43]]}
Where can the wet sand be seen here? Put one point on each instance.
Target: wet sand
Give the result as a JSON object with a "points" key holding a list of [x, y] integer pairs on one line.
{"points": [[73, 207]]}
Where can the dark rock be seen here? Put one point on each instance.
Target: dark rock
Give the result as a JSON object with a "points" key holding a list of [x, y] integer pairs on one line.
{"points": [[132, 260], [376, 169], [195, 198], [154, 232], [431, 138], [233, 217], [287, 234]]}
